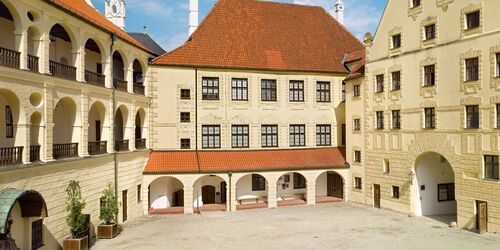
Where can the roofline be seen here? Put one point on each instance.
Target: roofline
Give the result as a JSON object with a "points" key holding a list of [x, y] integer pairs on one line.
{"points": [[380, 21], [96, 26], [242, 150], [354, 77], [245, 68], [247, 170]]}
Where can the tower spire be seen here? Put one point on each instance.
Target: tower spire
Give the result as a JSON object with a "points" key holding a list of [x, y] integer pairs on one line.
{"points": [[115, 12], [339, 11], [193, 16]]}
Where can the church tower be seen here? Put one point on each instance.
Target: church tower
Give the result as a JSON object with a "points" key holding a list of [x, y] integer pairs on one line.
{"points": [[339, 11], [115, 12]]}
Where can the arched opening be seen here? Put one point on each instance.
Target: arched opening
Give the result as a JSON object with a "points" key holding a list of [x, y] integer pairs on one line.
{"points": [[36, 136], [138, 77], [434, 188], [329, 187], [11, 143], [34, 48], [97, 143], [121, 115], [93, 63], [60, 51], [166, 195], [140, 142], [210, 193], [119, 76], [251, 192], [291, 189], [64, 133], [9, 56]]}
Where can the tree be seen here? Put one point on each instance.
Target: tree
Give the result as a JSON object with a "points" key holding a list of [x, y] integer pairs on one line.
{"points": [[74, 206], [109, 206]]}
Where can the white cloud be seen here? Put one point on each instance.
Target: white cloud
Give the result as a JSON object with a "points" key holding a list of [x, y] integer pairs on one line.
{"points": [[172, 42]]}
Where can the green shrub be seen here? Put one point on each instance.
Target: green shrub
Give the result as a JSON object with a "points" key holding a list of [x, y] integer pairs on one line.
{"points": [[74, 206], [109, 206]]}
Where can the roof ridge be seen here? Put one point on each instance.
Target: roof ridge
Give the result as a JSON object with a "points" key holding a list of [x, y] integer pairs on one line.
{"points": [[344, 28]]}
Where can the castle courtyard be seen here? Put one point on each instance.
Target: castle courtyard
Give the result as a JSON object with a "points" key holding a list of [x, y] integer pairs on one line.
{"points": [[325, 226]]}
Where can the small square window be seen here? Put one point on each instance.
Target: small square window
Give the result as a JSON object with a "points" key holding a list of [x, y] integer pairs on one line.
{"points": [[430, 32], [185, 143], [473, 20], [415, 3], [396, 41], [357, 156], [446, 192], [387, 166], [185, 117], [185, 94], [395, 192], [358, 183], [491, 167], [356, 89]]}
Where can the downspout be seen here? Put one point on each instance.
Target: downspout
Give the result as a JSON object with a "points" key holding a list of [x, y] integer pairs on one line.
{"points": [[196, 118], [115, 161]]}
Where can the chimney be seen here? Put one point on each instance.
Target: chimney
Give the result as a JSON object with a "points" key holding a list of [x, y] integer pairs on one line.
{"points": [[339, 11], [193, 16]]}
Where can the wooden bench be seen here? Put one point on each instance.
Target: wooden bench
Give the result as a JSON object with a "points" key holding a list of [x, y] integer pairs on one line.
{"points": [[247, 198]]}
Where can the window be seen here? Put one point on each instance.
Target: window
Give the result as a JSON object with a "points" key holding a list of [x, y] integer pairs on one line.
{"points": [[239, 136], [343, 134], [396, 41], [472, 116], [446, 192], [395, 192], [343, 91], [357, 124], [498, 115], [210, 136], [37, 234], [299, 182], [323, 91], [269, 136], [358, 184], [473, 20], [139, 191], [9, 122], [380, 119], [430, 117], [185, 117], [396, 80], [415, 3], [498, 64], [356, 89], [429, 75], [323, 135], [210, 88], [491, 167], [396, 119], [387, 166], [472, 69], [268, 90], [239, 89], [357, 156], [380, 83], [258, 182], [297, 135], [185, 94], [296, 91], [185, 143], [430, 32]]}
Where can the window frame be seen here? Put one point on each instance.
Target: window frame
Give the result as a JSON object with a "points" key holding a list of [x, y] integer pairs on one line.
{"points": [[323, 93], [472, 117], [396, 81], [380, 83], [357, 156], [430, 75], [471, 18], [379, 120], [450, 192], [323, 137], [296, 91], [185, 143], [239, 136], [213, 139], [299, 181], [265, 135], [258, 182], [37, 234], [210, 92], [497, 55], [415, 3], [357, 124], [356, 90], [269, 90], [185, 117], [430, 32], [185, 94], [491, 161], [429, 118], [297, 135], [498, 114], [358, 183], [139, 193], [239, 89], [395, 192], [396, 41], [471, 69], [9, 122], [396, 119]]}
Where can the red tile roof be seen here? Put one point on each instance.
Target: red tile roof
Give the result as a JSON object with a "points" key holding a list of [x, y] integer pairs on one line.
{"points": [[223, 161], [251, 34], [359, 68], [81, 9]]}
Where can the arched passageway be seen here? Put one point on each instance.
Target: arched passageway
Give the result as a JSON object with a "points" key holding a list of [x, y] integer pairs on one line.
{"points": [[251, 192], [121, 117], [166, 195], [97, 134], [65, 138], [210, 193], [62, 62], [94, 63], [291, 189], [329, 187], [11, 135]]}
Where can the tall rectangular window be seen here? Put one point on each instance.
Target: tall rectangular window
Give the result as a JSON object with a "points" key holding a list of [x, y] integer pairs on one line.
{"points": [[239, 89], [185, 143], [380, 83], [258, 182], [396, 80], [297, 135], [296, 91], [185, 94], [343, 134], [429, 75], [473, 20], [269, 90], [323, 91], [491, 167], [323, 135], [37, 234], [210, 136], [299, 181], [395, 192], [380, 119], [498, 64], [430, 117], [472, 113], [357, 156], [396, 41], [210, 88], [343, 91], [396, 119], [472, 69], [356, 89], [357, 124], [185, 117], [358, 183], [239, 136], [9, 122], [498, 115], [430, 32], [269, 136], [139, 192]]}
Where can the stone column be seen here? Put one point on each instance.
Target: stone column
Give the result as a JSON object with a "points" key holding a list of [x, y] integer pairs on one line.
{"points": [[271, 195], [111, 135], [129, 75], [43, 62], [188, 200], [49, 123], [311, 192], [108, 71], [21, 43], [232, 194], [80, 64], [131, 127], [26, 142], [84, 135]]}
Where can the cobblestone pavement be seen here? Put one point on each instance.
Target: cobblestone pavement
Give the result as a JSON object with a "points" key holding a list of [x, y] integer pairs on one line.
{"points": [[325, 226]]}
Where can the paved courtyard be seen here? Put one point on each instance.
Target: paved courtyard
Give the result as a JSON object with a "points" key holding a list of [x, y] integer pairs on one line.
{"points": [[324, 226]]}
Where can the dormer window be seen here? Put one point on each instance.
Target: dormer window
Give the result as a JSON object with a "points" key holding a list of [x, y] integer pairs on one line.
{"points": [[415, 3], [473, 20], [396, 41]]}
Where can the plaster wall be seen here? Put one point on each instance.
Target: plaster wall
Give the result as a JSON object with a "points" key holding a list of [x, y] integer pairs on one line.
{"points": [[7, 27], [162, 192]]}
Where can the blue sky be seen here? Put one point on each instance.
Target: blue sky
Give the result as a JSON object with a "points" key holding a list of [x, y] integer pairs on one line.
{"points": [[167, 20]]}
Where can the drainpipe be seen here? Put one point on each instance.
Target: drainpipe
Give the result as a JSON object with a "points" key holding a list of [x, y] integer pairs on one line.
{"points": [[230, 174], [113, 39], [196, 118]]}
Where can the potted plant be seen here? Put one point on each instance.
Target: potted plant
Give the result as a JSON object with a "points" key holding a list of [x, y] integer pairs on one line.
{"points": [[76, 219], [109, 214]]}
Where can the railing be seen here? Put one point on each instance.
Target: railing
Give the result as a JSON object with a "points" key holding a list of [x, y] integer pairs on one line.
{"points": [[139, 89], [33, 63], [34, 153], [67, 150], [98, 147], [9, 58], [140, 143], [121, 145], [12, 155], [62, 71], [94, 78], [120, 84]]}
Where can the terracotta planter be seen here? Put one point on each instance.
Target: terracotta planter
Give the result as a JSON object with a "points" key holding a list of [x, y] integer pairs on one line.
{"points": [[76, 244], [107, 231]]}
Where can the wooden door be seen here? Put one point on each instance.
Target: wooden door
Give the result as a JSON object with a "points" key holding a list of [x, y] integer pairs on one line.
{"points": [[223, 192], [376, 195], [208, 194], [329, 185], [335, 185], [124, 204], [482, 216]]}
